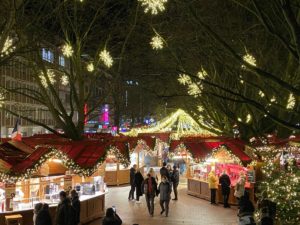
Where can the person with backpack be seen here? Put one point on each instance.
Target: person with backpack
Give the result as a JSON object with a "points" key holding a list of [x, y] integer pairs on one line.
{"points": [[76, 205], [175, 181], [65, 214], [149, 188], [164, 191], [43, 217]]}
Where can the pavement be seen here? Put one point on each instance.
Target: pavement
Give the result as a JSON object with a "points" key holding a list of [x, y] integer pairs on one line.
{"points": [[188, 210]]}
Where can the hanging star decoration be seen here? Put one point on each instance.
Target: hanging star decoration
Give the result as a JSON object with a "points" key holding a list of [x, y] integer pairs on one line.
{"points": [[43, 78], [8, 47], [67, 50], [64, 80], [291, 102], [249, 59], [106, 58], [153, 6], [157, 42]]}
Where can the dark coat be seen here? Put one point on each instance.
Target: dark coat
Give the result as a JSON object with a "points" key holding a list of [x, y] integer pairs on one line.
{"points": [[138, 180], [165, 190], [62, 213], [116, 220], [175, 176], [132, 174], [76, 205], [43, 218], [145, 187], [224, 180], [165, 172]]}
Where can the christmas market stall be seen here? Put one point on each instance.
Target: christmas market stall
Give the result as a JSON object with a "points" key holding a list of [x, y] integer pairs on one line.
{"points": [[218, 155], [36, 170]]}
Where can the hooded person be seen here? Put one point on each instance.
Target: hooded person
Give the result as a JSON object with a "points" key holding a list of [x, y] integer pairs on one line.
{"points": [[149, 188], [164, 191], [213, 186]]}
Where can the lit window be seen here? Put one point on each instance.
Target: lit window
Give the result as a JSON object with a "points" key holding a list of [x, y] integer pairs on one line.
{"points": [[61, 60], [47, 55]]}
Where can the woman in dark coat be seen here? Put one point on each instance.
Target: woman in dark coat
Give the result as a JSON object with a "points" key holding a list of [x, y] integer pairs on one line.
{"points": [[138, 181], [43, 217]]}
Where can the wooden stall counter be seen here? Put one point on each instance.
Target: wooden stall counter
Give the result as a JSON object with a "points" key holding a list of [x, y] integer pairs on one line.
{"points": [[200, 189], [92, 207], [117, 177]]}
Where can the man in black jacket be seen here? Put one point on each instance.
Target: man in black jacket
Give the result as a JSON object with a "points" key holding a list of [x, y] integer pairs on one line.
{"points": [[224, 180], [175, 181], [132, 186], [63, 213], [164, 171], [76, 205], [149, 188]]}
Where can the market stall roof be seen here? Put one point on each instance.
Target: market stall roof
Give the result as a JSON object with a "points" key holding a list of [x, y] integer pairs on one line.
{"points": [[179, 123], [202, 147]]}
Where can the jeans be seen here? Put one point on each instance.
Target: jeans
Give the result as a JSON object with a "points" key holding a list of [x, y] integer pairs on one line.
{"points": [[150, 203], [213, 193], [175, 185], [164, 204], [131, 192], [225, 199]]}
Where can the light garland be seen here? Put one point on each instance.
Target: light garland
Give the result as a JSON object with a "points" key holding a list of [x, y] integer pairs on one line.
{"points": [[291, 102], [51, 76], [8, 47], [119, 156], [157, 42], [227, 151], [153, 6], [106, 58], [90, 67], [67, 50], [64, 80]]}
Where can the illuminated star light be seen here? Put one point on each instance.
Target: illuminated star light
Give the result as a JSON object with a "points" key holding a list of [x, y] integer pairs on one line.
{"points": [[291, 102], [7, 47], [184, 79], [67, 50], [200, 108], [64, 80], [50, 75], [106, 58], [153, 6], [249, 59], [194, 89], [90, 67], [157, 42]]}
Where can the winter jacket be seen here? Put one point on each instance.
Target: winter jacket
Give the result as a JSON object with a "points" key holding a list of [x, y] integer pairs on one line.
{"points": [[65, 214], [138, 180], [224, 180], [145, 187], [165, 172], [43, 218], [212, 181], [240, 187], [175, 176], [132, 174], [76, 205], [165, 190]]}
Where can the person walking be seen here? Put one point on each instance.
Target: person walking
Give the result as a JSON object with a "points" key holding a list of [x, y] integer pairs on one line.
{"points": [[111, 218], [138, 180], [37, 208], [175, 182], [240, 186], [43, 217], [213, 186], [132, 186], [224, 180], [153, 174], [150, 190], [76, 206], [164, 190]]}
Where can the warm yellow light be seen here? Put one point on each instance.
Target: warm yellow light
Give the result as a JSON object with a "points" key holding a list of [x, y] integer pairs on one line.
{"points": [[2, 98], [249, 59], [200, 108], [157, 42], [67, 50], [202, 74], [248, 118], [291, 102], [106, 58], [51, 76], [90, 67], [153, 6], [261, 94], [64, 80], [7, 47], [184, 79]]}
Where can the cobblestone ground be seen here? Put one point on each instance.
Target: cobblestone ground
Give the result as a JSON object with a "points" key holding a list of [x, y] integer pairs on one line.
{"points": [[187, 211]]}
